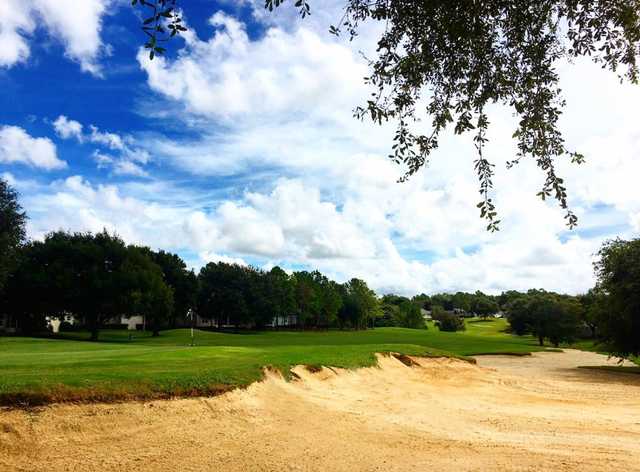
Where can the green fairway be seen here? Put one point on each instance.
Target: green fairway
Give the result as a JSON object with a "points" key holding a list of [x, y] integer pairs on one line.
{"points": [[39, 370]]}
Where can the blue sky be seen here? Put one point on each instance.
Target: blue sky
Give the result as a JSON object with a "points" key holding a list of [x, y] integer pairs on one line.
{"points": [[240, 146]]}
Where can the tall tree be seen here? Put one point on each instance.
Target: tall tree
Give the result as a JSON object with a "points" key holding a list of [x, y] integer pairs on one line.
{"points": [[150, 296], [12, 230], [594, 308], [361, 305], [618, 273], [483, 306], [452, 60], [307, 293], [284, 293], [222, 294], [78, 273], [546, 316], [411, 316], [182, 281]]}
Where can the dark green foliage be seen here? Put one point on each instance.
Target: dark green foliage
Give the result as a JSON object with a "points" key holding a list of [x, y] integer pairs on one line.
{"points": [[183, 282], [149, 295], [162, 21], [483, 306], [594, 309], [400, 311], [618, 273], [93, 277], [283, 290], [546, 315], [444, 300], [518, 315], [462, 301], [224, 294], [410, 316], [361, 305], [12, 230], [448, 321], [423, 301]]}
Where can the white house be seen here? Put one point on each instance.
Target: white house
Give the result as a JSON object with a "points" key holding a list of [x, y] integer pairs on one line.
{"points": [[282, 321], [133, 322], [54, 322]]}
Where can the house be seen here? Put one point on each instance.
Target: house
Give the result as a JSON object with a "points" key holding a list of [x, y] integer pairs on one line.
{"points": [[7, 324], [133, 322], [54, 322], [426, 314], [284, 321], [277, 322]]}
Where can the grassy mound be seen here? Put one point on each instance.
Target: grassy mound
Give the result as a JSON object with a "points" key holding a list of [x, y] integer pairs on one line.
{"points": [[69, 368]]}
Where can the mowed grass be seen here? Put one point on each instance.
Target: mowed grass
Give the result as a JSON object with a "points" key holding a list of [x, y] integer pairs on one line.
{"points": [[70, 368]]}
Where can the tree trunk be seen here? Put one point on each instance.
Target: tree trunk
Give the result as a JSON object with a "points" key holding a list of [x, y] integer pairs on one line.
{"points": [[94, 333], [540, 340]]}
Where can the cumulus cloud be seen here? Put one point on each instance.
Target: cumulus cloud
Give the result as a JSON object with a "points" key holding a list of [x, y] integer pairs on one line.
{"points": [[77, 24], [321, 193], [66, 128], [123, 157], [229, 75], [17, 146], [283, 101], [292, 225]]}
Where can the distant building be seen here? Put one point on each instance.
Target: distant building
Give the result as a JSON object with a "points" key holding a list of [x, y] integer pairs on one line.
{"points": [[7, 324], [426, 314], [133, 322], [54, 322], [284, 321]]}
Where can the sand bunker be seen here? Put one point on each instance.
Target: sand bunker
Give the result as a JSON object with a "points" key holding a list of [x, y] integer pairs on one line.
{"points": [[507, 413]]}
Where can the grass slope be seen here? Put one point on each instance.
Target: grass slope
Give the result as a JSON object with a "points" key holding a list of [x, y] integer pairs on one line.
{"points": [[38, 370]]}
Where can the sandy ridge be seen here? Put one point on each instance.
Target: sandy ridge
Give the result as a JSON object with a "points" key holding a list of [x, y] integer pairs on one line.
{"points": [[506, 413]]}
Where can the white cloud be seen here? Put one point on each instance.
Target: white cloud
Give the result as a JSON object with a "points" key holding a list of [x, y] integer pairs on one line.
{"points": [[77, 24], [213, 257], [17, 146], [127, 157], [294, 225], [66, 128], [15, 21], [283, 101], [229, 75], [110, 140]]}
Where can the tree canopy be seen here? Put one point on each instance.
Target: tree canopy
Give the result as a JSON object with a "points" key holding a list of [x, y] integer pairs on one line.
{"points": [[618, 274], [449, 62], [12, 229], [545, 315]]}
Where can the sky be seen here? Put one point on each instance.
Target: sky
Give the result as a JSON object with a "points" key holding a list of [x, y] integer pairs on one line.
{"points": [[240, 146]]}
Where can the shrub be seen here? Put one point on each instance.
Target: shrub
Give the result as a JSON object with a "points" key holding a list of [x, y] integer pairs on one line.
{"points": [[450, 322], [65, 326]]}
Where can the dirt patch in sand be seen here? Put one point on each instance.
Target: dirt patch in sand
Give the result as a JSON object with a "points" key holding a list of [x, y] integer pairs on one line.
{"points": [[507, 413]]}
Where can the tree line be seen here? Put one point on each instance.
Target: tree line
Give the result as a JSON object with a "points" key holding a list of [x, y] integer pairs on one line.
{"points": [[98, 278]]}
